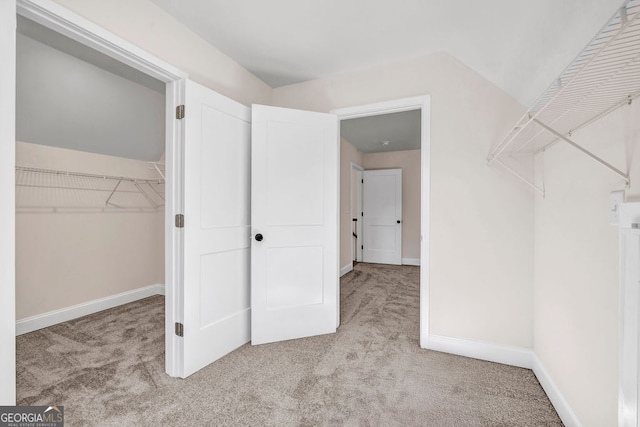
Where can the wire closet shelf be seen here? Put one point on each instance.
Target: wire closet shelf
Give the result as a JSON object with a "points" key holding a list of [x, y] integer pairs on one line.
{"points": [[45, 190], [602, 78]]}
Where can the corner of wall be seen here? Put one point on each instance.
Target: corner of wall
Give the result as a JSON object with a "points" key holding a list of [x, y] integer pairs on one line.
{"points": [[562, 407], [512, 356]]}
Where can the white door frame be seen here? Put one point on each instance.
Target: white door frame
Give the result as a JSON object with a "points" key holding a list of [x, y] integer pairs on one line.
{"points": [[7, 207], [422, 103], [629, 317], [354, 166], [63, 21]]}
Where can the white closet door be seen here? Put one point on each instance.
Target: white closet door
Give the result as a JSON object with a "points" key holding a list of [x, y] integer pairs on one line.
{"points": [[382, 216], [294, 211], [216, 297]]}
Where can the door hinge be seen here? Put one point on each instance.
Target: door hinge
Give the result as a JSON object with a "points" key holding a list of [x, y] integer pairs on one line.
{"points": [[363, 181], [179, 329], [180, 112], [361, 246], [179, 221], [361, 213]]}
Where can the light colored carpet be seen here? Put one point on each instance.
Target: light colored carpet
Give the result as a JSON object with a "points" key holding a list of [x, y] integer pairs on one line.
{"points": [[107, 369]]}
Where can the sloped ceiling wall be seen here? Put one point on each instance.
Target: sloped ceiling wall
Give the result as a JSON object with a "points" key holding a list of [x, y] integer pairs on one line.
{"points": [[88, 104], [520, 46]]}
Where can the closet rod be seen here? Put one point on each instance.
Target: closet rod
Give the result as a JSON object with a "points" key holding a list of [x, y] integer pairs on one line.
{"points": [[587, 152]]}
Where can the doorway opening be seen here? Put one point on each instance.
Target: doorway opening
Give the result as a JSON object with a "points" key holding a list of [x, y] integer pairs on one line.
{"points": [[364, 116], [62, 22], [90, 196]]}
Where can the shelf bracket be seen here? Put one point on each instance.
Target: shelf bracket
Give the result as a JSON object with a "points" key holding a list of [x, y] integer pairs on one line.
{"points": [[587, 152], [146, 196], [112, 193], [156, 166], [520, 177]]}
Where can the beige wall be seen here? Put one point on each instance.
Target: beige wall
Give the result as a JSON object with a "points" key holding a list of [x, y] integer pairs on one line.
{"points": [[63, 259], [348, 153], [146, 25], [481, 260], [577, 264], [409, 162]]}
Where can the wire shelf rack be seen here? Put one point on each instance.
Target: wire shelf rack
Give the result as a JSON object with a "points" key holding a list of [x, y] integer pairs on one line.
{"points": [[45, 190], [601, 79]]}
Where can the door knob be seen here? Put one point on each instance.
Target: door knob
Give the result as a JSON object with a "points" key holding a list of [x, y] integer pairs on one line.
{"points": [[259, 237], [398, 221]]}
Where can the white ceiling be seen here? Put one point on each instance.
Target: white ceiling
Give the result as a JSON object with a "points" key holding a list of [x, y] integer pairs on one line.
{"points": [[519, 45], [368, 134]]}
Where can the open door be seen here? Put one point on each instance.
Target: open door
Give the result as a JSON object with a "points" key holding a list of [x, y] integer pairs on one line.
{"points": [[216, 290], [294, 217], [285, 284], [382, 216]]}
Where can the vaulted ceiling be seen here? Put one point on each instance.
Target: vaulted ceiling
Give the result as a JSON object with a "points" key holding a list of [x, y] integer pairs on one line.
{"points": [[519, 45]]}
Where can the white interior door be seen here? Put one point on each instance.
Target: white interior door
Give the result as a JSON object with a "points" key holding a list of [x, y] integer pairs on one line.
{"points": [[216, 290], [382, 216], [294, 217]]}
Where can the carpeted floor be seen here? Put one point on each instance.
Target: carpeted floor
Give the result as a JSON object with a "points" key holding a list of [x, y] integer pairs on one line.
{"points": [[107, 369]]}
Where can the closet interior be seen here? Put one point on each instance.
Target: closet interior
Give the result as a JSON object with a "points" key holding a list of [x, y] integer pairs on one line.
{"points": [[90, 183]]}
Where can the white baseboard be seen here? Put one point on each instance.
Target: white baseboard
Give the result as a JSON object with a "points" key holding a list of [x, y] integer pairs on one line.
{"points": [[508, 355], [558, 401], [347, 268], [410, 261], [33, 323]]}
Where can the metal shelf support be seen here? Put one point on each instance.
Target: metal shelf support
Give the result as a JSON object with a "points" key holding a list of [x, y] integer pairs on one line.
{"points": [[520, 177], [583, 150]]}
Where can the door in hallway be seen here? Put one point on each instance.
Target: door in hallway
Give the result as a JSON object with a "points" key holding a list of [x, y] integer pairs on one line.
{"points": [[382, 216]]}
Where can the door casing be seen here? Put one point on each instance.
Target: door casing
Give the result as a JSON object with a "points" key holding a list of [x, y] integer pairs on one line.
{"points": [[7, 209], [422, 103], [356, 214]]}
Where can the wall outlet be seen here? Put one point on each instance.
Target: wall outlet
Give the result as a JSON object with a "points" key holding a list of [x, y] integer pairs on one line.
{"points": [[615, 199]]}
